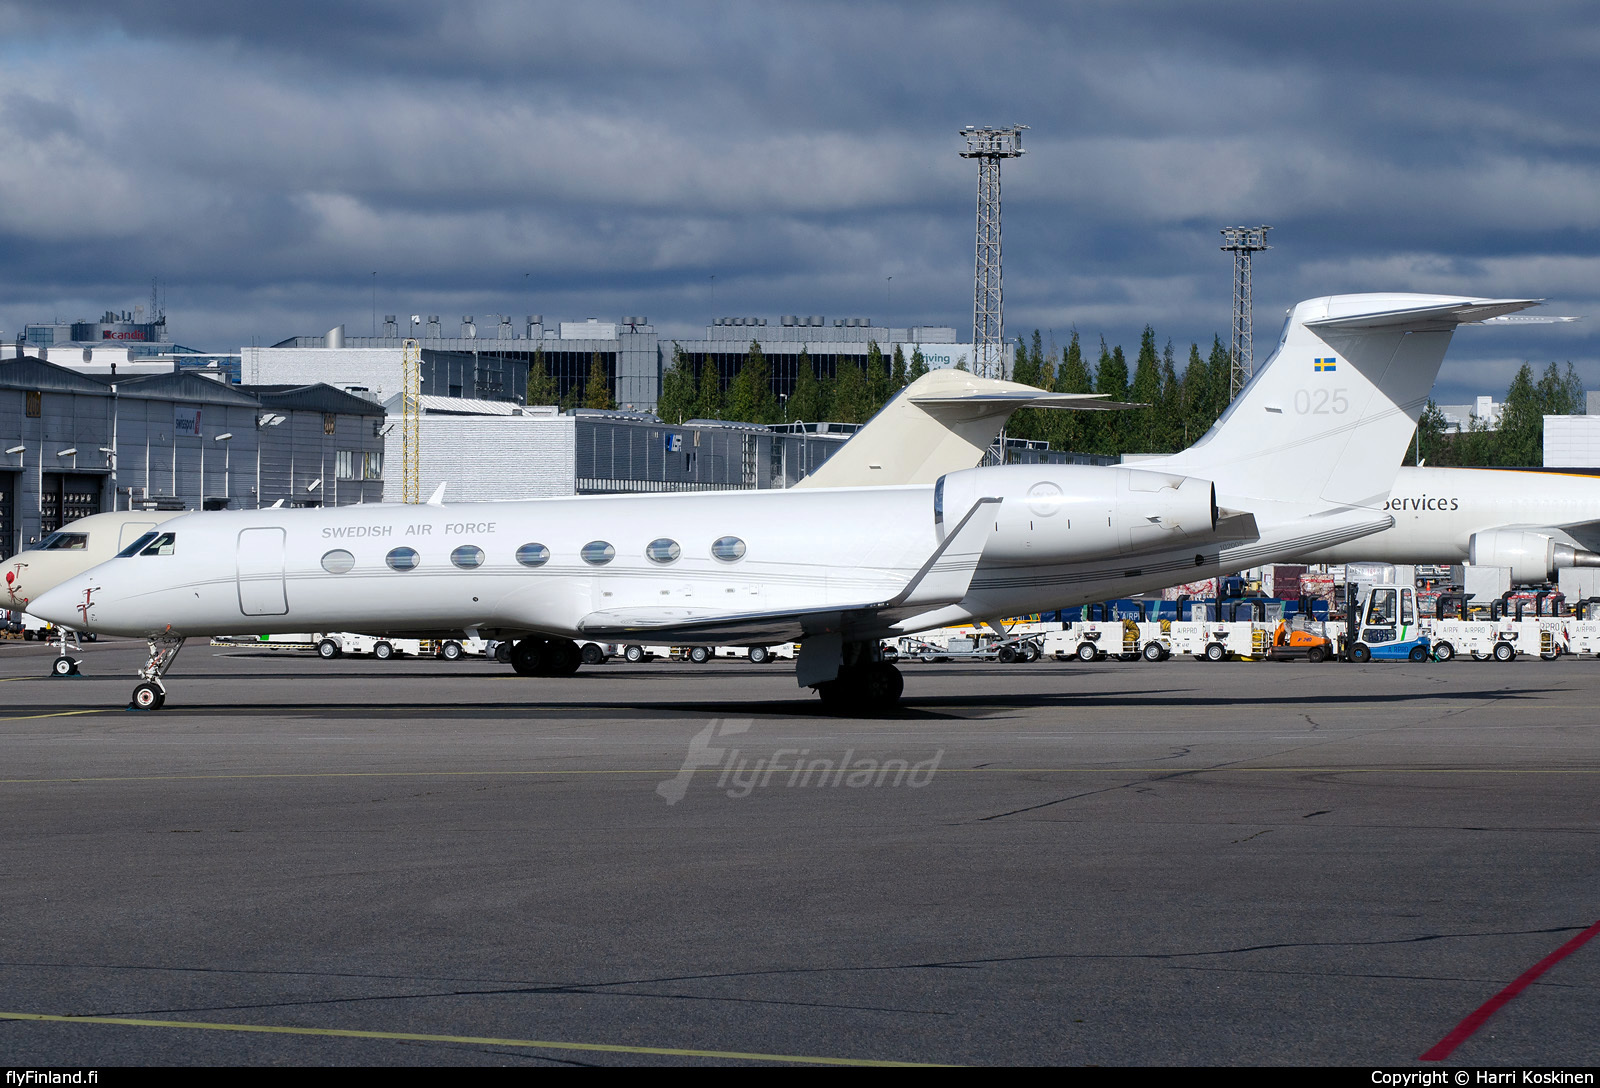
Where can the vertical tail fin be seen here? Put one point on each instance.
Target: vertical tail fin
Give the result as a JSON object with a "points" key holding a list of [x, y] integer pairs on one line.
{"points": [[1328, 416]]}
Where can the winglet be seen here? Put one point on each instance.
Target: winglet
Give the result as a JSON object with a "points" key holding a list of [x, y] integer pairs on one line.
{"points": [[437, 498]]}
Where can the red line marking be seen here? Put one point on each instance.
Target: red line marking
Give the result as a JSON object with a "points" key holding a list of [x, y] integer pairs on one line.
{"points": [[1463, 1031]]}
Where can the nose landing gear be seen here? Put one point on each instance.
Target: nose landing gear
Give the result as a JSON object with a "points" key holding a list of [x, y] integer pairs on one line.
{"points": [[151, 694]]}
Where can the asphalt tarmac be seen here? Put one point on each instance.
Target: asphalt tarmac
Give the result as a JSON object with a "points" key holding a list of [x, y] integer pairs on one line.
{"points": [[411, 862]]}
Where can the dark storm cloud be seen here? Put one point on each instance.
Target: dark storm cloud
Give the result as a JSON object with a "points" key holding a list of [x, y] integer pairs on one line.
{"points": [[607, 158]]}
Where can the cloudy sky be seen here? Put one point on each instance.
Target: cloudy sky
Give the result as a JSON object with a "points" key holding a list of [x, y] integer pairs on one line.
{"points": [[686, 160]]}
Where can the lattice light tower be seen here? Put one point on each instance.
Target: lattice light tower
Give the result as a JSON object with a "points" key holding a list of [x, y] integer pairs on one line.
{"points": [[411, 422], [1241, 242], [989, 146]]}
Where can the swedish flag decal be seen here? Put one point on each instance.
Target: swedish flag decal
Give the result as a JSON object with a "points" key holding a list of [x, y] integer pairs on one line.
{"points": [[1320, 365]]}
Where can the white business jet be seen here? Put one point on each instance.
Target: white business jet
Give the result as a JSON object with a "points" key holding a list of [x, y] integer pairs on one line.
{"points": [[1303, 459]]}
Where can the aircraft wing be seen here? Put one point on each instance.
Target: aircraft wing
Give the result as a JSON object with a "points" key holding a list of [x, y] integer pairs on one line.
{"points": [[943, 579]]}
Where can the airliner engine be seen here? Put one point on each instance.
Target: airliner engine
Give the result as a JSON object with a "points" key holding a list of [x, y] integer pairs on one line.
{"points": [[1073, 512], [1532, 557]]}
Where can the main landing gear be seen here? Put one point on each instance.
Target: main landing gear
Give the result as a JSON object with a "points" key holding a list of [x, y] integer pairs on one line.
{"points": [[866, 684], [151, 694], [546, 657]]}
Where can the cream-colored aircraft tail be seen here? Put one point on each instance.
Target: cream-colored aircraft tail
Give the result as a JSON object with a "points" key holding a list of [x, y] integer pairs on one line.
{"points": [[942, 422]]}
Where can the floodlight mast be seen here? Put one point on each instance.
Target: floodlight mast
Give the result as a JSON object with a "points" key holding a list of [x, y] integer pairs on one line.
{"points": [[1241, 242], [989, 146]]}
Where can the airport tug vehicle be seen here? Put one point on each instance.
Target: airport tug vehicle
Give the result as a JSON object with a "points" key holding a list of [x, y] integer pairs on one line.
{"points": [[1384, 626]]}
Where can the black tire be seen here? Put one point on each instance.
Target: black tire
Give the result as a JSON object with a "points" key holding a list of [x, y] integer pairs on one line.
{"points": [[563, 658], [1030, 652], [63, 666], [592, 654], [699, 654], [1316, 654], [1360, 652], [1152, 651], [328, 649], [148, 697], [528, 657], [452, 651], [633, 654], [1551, 656], [1007, 655], [1215, 652], [1417, 654], [502, 652], [1504, 651], [1087, 652], [760, 655], [1443, 651]]}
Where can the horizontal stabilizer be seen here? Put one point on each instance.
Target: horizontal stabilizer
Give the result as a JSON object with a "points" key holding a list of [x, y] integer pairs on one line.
{"points": [[1431, 318], [1027, 397]]}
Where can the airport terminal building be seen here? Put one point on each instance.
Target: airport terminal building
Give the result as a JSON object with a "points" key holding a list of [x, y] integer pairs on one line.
{"points": [[491, 361]]}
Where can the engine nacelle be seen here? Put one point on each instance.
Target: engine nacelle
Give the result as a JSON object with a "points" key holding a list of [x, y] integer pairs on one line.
{"points": [[1064, 513], [1532, 557]]}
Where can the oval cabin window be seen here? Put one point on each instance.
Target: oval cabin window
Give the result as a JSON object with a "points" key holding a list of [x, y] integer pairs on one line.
{"points": [[663, 550], [338, 561], [728, 549], [533, 555], [598, 552], [467, 556], [403, 559]]}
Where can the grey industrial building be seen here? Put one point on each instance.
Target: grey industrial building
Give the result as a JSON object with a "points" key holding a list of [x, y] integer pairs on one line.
{"points": [[72, 445], [490, 362]]}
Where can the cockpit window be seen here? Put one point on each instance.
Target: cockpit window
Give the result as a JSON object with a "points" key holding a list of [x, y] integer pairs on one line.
{"points": [[162, 545], [136, 547], [65, 542]]}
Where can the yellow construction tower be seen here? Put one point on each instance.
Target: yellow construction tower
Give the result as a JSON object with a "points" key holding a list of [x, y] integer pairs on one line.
{"points": [[411, 422]]}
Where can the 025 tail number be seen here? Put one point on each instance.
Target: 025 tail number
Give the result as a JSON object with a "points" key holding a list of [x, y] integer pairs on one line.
{"points": [[1321, 402]]}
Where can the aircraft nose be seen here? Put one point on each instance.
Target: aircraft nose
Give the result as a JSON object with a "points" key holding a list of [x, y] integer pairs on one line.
{"points": [[56, 605]]}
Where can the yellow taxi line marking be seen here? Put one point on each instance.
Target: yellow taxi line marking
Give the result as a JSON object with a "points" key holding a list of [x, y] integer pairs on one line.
{"points": [[53, 714], [473, 1040], [714, 770]]}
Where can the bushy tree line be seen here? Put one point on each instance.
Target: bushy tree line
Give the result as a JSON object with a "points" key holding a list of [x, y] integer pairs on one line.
{"points": [[1518, 440], [1177, 406]]}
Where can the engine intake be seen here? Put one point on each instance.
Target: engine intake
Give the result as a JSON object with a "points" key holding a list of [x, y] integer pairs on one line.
{"points": [[1064, 513]]}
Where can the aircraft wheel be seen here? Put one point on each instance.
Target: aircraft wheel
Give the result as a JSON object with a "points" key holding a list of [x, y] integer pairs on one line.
{"points": [[452, 651], [148, 697], [1007, 655], [1087, 652], [1316, 654], [63, 666], [1503, 651], [527, 656], [328, 649], [1418, 653], [699, 654], [633, 654], [1360, 652], [1443, 651], [760, 655], [563, 658], [592, 654], [1215, 652], [502, 652], [383, 651], [1152, 651]]}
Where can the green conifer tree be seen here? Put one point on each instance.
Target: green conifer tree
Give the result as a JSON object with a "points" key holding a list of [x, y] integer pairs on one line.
{"points": [[1075, 431], [750, 398], [541, 386], [918, 367], [805, 403], [897, 371], [596, 386], [877, 378], [676, 402], [708, 401], [1140, 434], [852, 401]]}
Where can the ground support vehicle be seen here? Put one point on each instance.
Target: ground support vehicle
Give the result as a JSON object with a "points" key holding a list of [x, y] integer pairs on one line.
{"points": [[332, 644], [1387, 627], [1221, 640], [1296, 638], [1095, 640], [1006, 649]]}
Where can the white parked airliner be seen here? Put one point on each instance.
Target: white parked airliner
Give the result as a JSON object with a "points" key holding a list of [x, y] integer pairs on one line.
{"points": [[1303, 460]]}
